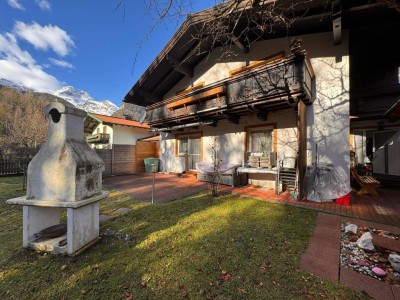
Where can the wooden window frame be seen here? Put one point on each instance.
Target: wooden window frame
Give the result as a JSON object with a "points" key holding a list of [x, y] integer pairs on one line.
{"points": [[267, 125], [177, 135]]}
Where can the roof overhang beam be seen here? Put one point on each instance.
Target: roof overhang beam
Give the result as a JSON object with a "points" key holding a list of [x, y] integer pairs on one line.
{"points": [[337, 22], [180, 66]]}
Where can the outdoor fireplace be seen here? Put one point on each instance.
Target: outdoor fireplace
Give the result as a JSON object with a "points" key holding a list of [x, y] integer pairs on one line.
{"points": [[64, 174]]}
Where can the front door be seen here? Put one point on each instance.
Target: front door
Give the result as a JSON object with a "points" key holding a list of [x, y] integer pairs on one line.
{"points": [[190, 147]]}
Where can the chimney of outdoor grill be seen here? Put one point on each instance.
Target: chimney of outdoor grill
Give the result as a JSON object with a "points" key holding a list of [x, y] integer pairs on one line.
{"points": [[65, 168]]}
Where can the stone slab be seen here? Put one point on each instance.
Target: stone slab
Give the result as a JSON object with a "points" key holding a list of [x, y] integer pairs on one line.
{"points": [[49, 245], [320, 267], [359, 282], [122, 210], [396, 292], [104, 217], [55, 203]]}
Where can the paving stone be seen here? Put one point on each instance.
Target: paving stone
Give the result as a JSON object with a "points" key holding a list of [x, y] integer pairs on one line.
{"points": [[329, 231], [319, 267], [122, 210], [359, 282], [331, 255], [396, 292], [330, 217], [104, 217], [326, 241]]}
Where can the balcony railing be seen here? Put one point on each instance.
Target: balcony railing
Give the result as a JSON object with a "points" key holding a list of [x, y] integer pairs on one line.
{"points": [[270, 87], [99, 138]]}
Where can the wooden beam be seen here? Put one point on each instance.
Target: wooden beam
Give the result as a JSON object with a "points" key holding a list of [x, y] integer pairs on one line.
{"points": [[239, 44], [263, 115], [149, 96], [191, 88], [337, 22], [302, 144], [212, 93], [234, 119], [180, 66], [277, 57]]}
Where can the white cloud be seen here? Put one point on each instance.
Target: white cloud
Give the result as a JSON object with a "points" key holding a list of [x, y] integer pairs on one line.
{"points": [[10, 50], [30, 76], [15, 4], [61, 63], [45, 37], [44, 4], [19, 66]]}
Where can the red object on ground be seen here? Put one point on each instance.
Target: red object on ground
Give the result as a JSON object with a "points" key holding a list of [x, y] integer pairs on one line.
{"points": [[344, 200]]}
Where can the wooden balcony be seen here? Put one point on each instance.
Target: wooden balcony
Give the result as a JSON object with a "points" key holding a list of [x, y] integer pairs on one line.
{"points": [[99, 138], [259, 89]]}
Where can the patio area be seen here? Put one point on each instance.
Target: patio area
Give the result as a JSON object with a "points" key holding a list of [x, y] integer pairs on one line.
{"points": [[383, 209]]}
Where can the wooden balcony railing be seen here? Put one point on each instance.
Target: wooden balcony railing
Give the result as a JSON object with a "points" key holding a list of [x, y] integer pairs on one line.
{"points": [[99, 138], [268, 87]]}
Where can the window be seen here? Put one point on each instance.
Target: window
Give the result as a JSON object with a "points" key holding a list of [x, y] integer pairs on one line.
{"points": [[190, 146], [261, 139]]}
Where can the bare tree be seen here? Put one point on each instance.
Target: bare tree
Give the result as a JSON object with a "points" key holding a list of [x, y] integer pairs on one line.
{"points": [[215, 175], [23, 127], [238, 23]]}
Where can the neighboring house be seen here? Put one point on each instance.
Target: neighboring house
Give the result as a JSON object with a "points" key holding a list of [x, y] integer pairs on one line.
{"points": [[106, 131], [277, 95]]}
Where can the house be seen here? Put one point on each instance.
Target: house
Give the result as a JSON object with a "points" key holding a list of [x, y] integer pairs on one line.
{"points": [[296, 91], [104, 131], [122, 144]]}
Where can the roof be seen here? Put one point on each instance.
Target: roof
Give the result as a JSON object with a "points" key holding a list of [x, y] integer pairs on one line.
{"points": [[393, 112], [155, 138], [184, 51], [118, 121]]}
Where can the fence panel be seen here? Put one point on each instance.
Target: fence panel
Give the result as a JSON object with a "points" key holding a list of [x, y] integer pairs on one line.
{"points": [[10, 167]]}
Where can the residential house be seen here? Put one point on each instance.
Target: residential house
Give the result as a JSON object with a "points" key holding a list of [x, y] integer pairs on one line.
{"points": [[105, 131], [283, 91]]}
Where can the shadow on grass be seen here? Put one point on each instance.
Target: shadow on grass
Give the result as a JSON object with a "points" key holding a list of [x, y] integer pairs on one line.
{"points": [[196, 247]]}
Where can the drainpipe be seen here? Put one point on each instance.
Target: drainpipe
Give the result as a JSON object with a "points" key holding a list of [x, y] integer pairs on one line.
{"points": [[181, 126]]}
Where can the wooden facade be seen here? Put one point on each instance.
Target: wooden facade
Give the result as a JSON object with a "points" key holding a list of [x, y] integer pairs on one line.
{"points": [[127, 159], [259, 89]]}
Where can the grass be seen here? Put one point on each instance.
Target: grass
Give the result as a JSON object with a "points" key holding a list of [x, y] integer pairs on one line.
{"points": [[197, 248]]}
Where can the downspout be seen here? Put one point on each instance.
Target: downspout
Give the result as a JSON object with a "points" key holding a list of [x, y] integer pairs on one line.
{"points": [[182, 126]]}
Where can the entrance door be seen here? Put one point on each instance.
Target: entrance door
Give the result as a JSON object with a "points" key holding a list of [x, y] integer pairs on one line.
{"points": [[193, 153], [190, 147]]}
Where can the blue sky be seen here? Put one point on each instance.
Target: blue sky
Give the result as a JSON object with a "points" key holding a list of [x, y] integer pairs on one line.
{"points": [[47, 44]]}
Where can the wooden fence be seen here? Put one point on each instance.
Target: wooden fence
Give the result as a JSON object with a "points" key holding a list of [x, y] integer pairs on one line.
{"points": [[15, 166], [121, 159], [127, 159]]}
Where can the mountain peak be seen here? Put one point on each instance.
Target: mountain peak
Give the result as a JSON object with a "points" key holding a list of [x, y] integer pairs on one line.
{"points": [[14, 86], [83, 100], [78, 98]]}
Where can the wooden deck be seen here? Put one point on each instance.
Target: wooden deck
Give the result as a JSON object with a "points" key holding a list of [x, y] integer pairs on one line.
{"points": [[384, 208]]}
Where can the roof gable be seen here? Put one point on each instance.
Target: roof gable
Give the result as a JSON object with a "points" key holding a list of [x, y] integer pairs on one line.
{"points": [[118, 121]]}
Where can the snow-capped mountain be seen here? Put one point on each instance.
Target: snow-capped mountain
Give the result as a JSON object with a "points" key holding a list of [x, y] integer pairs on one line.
{"points": [[15, 86], [78, 98], [83, 100]]}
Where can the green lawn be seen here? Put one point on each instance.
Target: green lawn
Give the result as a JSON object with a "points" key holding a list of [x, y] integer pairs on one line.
{"points": [[195, 248]]}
